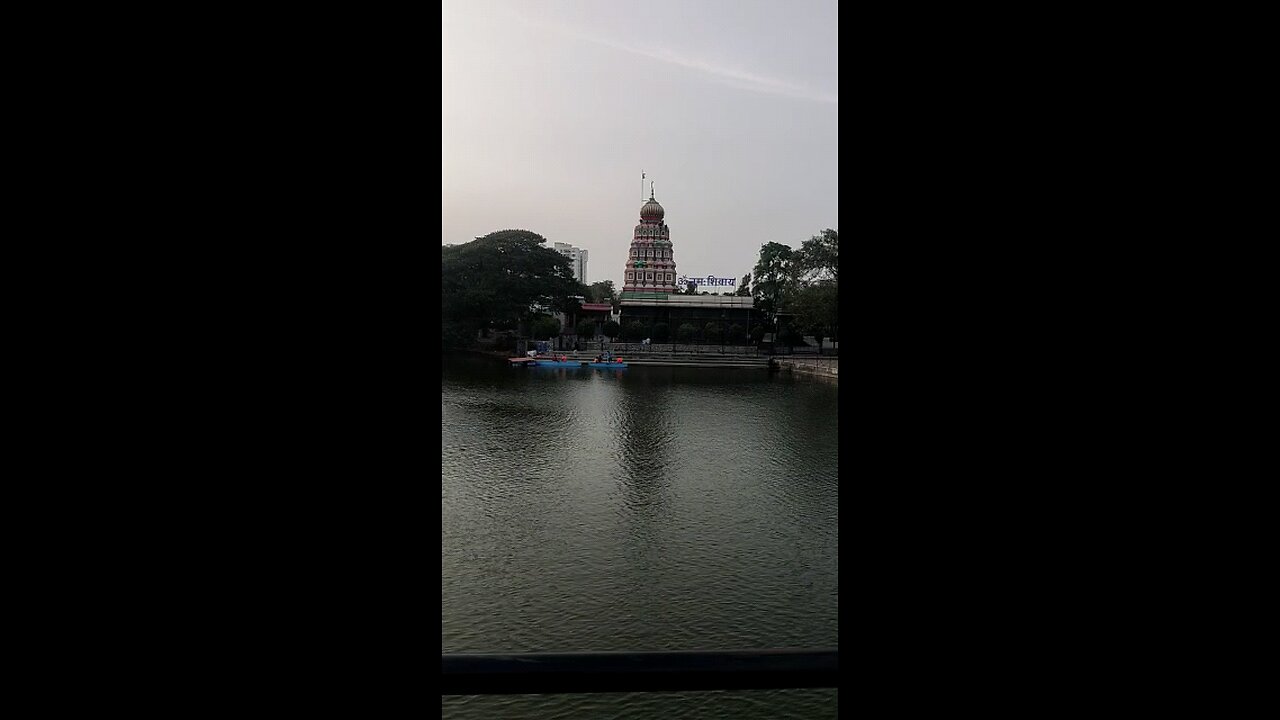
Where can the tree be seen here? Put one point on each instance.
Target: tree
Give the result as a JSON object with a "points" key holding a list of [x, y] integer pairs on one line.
{"points": [[816, 309], [543, 327], [744, 287], [611, 329], [773, 278], [455, 335], [804, 283], [819, 257], [587, 328], [712, 332], [634, 331], [685, 332], [735, 333], [661, 332], [691, 288], [602, 292], [502, 280], [790, 336], [757, 334]]}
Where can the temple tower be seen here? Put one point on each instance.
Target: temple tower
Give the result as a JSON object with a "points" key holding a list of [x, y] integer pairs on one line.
{"points": [[650, 266]]}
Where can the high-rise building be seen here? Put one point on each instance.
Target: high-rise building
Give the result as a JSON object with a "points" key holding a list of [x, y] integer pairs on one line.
{"points": [[577, 258], [651, 269]]}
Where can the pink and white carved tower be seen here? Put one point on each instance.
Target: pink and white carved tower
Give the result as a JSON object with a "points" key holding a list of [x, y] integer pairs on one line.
{"points": [[650, 266]]}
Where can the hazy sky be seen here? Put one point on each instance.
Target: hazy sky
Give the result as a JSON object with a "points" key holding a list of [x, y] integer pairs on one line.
{"points": [[552, 108]]}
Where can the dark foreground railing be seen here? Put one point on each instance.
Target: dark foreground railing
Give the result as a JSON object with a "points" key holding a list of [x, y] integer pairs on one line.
{"points": [[585, 672]]}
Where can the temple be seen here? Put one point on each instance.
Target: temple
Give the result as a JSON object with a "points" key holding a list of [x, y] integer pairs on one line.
{"points": [[651, 269], [651, 297]]}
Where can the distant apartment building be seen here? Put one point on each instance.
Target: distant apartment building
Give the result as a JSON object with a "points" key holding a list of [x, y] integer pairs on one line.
{"points": [[577, 258]]}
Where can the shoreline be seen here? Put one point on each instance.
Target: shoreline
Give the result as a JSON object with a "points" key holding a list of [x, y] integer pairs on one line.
{"points": [[826, 368], [654, 359]]}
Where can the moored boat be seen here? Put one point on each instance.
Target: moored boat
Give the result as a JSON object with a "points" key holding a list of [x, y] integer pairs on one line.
{"points": [[605, 360]]}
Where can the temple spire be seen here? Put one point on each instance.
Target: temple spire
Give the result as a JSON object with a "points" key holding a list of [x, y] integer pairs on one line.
{"points": [[650, 268]]}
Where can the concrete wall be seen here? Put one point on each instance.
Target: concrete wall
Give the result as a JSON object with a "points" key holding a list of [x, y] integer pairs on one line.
{"points": [[621, 348]]}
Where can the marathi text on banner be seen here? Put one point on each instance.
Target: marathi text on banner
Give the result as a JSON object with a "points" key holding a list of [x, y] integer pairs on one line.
{"points": [[708, 280]]}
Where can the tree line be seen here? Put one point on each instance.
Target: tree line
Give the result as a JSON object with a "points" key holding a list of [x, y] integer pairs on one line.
{"points": [[507, 280], [798, 289]]}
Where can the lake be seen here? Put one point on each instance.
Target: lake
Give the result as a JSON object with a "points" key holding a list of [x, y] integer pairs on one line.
{"points": [[650, 508]]}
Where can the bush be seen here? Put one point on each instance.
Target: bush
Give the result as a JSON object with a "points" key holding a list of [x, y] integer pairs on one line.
{"points": [[587, 329], [685, 332], [611, 329], [735, 333], [712, 332], [757, 334], [792, 338], [634, 331], [818, 332], [661, 332]]}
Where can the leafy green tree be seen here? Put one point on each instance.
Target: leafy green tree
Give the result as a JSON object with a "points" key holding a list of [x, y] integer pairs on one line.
{"points": [[611, 329], [587, 328], [712, 332], [804, 283], [744, 287], [774, 278], [691, 288], [816, 308], [735, 335], [661, 332], [819, 257], [602, 292], [502, 281], [757, 334], [686, 332], [543, 327], [791, 336]]}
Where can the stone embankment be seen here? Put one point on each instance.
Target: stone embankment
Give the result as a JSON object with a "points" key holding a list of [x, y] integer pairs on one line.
{"points": [[705, 356], [665, 355], [678, 359], [826, 367]]}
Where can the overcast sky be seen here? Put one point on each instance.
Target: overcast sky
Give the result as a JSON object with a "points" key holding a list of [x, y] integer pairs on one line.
{"points": [[552, 108]]}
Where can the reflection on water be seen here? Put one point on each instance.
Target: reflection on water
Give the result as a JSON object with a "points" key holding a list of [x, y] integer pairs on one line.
{"points": [[644, 509]]}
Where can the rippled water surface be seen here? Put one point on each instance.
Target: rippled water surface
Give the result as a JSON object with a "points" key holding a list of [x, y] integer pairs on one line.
{"points": [[644, 509]]}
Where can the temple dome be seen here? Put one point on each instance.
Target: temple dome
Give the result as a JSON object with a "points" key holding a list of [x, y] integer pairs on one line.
{"points": [[652, 211]]}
